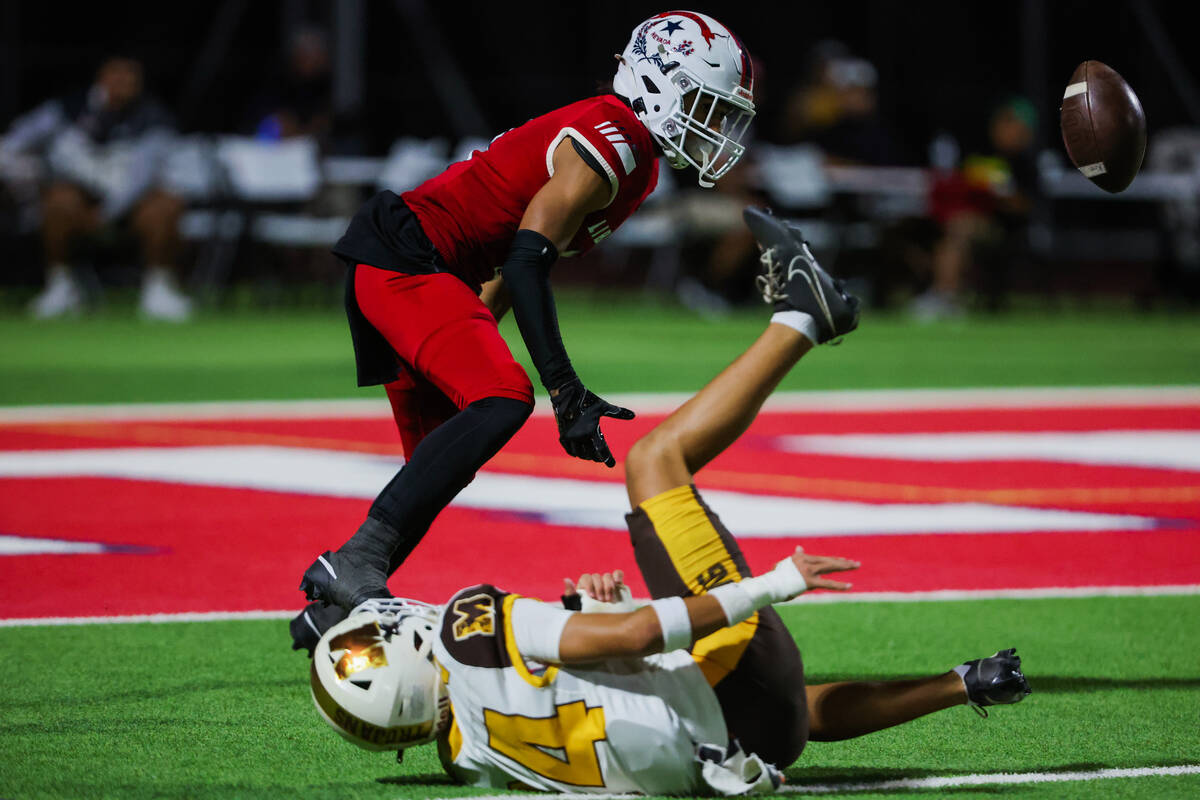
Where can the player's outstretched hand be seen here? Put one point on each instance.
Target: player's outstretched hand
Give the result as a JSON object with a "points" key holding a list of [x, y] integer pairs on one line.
{"points": [[603, 586], [578, 412], [814, 567], [598, 592]]}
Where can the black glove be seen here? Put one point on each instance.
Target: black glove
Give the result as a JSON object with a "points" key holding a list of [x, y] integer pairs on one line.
{"points": [[578, 414]]}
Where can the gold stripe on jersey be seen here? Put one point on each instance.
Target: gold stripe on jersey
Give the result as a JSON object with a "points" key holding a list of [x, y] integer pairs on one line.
{"points": [[518, 661], [697, 552], [454, 737]]}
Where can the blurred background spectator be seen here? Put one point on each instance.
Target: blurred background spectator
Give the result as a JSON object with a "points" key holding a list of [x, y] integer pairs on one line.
{"points": [[297, 97], [981, 204], [290, 112], [104, 149], [836, 108]]}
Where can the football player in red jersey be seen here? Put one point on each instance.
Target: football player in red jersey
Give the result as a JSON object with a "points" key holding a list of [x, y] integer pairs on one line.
{"points": [[495, 224]]}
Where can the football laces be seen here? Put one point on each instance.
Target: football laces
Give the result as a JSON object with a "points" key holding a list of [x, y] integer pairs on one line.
{"points": [[771, 282]]}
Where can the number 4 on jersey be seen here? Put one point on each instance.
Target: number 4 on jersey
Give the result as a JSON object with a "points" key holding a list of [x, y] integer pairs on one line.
{"points": [[561, 748]]}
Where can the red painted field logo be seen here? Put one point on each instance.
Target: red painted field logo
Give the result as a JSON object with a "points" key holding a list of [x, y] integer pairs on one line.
{"points": [[209, 514]]}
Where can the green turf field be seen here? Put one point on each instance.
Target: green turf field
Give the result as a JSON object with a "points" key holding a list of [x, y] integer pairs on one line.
{"points": [[221, 709], [618, 344]]}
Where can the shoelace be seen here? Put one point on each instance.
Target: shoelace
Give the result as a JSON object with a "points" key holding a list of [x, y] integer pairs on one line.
{"points": [[770, 283]]}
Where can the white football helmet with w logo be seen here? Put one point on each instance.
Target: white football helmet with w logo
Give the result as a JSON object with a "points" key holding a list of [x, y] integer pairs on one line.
{"points": [[691, 83]]}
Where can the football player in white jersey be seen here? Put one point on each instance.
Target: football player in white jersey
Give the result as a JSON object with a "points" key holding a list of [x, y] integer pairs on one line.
{"points": [[701, 690]]}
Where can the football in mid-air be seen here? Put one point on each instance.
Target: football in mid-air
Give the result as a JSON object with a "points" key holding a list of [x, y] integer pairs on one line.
{"points": [[1103, 126]]}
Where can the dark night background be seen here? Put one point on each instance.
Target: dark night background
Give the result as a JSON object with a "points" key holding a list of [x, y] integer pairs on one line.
{"points": [[941, 64]]}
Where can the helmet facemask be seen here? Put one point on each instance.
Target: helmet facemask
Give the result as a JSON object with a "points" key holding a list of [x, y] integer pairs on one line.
{"points": [[706, 131]]}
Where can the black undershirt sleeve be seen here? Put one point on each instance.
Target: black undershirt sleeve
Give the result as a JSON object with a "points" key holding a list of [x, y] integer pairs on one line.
{"points": [[589, 159], [527, 274]]}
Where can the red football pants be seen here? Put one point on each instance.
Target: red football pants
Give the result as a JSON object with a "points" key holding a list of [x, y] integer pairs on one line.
{"points": [[451, 352]]}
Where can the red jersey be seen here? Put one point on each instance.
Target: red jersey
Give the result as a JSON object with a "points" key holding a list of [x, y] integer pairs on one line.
{"points": [[472, 210]]}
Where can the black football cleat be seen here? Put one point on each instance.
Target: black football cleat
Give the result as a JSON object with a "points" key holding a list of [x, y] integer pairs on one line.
{"points": [[793, 280], [994, 681], [310, 625], [340, 580]]}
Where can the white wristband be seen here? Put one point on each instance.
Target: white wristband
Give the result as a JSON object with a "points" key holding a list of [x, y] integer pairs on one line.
{"points": [[674, 621], [735, 601], [800, 321], [782, 583], [741, 599]]}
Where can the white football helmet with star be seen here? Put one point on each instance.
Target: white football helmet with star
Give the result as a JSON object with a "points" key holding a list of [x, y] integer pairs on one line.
{"points": [[691, 83]]}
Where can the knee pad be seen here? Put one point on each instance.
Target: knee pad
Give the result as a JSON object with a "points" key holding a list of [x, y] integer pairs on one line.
{"points": [[506, 414]]}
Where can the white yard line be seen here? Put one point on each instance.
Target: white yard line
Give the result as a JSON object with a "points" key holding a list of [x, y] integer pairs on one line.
{"points": [[1002, 778], [937, 782], [189, 616], [942, 596], [373, 404]]}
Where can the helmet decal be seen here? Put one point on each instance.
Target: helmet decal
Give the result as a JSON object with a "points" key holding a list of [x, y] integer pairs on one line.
{"points": [[705, 31], [639, 48]]}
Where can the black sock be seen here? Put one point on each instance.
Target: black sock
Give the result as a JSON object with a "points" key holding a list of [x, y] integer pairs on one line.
{"points": [[440, 467]]}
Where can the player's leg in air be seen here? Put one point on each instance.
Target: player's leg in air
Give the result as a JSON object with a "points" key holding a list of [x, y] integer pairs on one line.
{"points": [[683, 549]]}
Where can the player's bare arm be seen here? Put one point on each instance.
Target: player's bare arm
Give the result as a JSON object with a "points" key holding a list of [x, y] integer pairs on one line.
{"points": [[548, 225], [574, 191], [496, 297], [595, 637]]}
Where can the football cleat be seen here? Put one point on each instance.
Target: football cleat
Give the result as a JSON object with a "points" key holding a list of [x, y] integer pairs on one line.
{"points": [[793, 280], [341, 580], [309, 625], [994, 681]]}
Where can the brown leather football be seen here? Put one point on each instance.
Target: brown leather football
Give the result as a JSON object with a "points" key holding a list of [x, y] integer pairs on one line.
{"points": [[1103, 126]]}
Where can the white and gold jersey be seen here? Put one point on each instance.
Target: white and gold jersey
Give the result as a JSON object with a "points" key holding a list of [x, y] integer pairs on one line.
{"points": [[619, 726]]}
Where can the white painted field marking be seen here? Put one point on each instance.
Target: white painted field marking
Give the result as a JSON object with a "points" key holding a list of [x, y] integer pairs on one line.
{"points": [[1003, 778], [822, 598], [128, 619], [937, 782], [649, 403], [34, 545], [1168, 449], [555, 501]]}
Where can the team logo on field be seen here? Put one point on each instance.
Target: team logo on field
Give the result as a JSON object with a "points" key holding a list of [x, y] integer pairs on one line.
{"points": [[475, 616]]}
